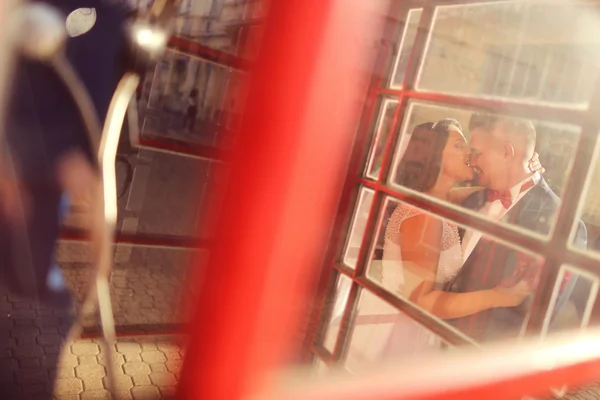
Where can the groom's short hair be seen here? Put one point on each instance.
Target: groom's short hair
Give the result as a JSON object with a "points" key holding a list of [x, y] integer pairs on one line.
{"points": [[516, 127]]}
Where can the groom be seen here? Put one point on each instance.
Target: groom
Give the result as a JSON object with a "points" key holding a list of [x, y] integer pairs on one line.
{"points": [[502, 148]]}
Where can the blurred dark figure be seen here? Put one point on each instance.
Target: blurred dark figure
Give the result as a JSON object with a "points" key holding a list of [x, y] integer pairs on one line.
{"points": [[51, 160], [189, 121]]}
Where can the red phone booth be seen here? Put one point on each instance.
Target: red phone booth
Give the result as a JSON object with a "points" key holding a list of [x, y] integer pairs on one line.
{"points": [[302, 123], [409, 62]]}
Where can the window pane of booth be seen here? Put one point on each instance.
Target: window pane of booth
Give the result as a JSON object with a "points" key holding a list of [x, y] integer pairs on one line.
{"points": [[382, 132], [182, 98], [576, 309], [357, 228], [381, 333], [405, 47], [457, 275], [488, 163], [534, 51]]}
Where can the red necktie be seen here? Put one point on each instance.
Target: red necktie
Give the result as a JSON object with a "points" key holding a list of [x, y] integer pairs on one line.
{"points": [[504, 196]]}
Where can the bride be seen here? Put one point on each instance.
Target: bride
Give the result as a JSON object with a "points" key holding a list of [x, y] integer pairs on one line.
{"points": [[423, 252]]}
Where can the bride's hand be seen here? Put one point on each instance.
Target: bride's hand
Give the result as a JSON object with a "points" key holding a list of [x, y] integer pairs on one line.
{"points": [[535, 165], [512, 296]]}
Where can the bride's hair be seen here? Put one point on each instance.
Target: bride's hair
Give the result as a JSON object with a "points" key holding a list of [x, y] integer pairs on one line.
{"points": [[421, 163]]}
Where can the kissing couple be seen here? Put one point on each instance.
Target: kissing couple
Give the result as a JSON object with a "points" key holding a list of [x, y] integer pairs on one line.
{"points": [[481, 287]]}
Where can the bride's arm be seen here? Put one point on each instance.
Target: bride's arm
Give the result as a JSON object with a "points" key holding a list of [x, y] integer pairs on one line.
{"points": [[459, 195], [420, 245]]}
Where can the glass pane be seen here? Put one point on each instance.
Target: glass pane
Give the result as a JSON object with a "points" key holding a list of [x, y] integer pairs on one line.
{"points": [[182, 99], [405, 47], [159, 195], [469, 280], [381, 333], [164, 196], [383, 129], [235, 100], [523, 50], [320, 369], [590, 207], [358, 226], [576, 309], [340, 299], [487, 163]]}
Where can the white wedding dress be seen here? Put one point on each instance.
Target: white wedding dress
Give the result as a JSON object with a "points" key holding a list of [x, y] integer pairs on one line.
{"points": [[397, 336], [407, 336]]}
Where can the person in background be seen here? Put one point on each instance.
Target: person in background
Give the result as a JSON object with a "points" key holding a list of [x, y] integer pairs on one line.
{"points": [[189, 121], [46, 163]]}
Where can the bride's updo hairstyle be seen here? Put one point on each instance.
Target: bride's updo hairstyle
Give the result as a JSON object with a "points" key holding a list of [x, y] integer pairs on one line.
{"points": [[421, 163]]}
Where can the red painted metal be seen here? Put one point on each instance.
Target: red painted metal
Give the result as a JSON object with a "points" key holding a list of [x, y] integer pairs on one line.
{"points": [[493, 375], [199, 50], [362, 139], [544, 112], [286, 179]]}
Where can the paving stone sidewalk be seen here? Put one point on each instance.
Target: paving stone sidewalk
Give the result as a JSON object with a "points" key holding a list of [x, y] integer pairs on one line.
{"points": [[146, 369]]}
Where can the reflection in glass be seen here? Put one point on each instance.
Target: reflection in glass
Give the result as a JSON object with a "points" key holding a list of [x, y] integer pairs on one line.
{"points": [[506, 183], [381, 333], [405, 47], [182, 98], [383, 129], [320, 369], [340, 300], [162, 197], [477, 285], [590, 207], [576, 309], [358, 226], [532, 51]]}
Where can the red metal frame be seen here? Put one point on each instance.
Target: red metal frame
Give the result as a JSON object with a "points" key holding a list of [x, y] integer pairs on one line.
{"points": [[245, 310], [492, 375], [556, 249], [326, 284], [209, 54]]}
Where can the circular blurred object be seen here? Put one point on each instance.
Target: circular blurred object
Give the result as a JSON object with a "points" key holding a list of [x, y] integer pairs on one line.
{"points": [[149, 38], [81, 21], [41, 31]]}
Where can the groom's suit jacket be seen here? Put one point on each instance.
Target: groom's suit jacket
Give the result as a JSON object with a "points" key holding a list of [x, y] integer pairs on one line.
{"points": [[492, 263]]}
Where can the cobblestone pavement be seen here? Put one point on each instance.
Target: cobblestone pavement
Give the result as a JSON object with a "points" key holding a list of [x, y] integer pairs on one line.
{"points": [[143, 294], [590, 392], [146, 368]]}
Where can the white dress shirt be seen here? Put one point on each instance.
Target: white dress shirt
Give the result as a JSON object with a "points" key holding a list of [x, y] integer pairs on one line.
{"points": [[496, 211]]}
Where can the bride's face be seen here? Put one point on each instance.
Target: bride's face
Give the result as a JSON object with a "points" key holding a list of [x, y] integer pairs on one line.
{"points": [[456, 156]]}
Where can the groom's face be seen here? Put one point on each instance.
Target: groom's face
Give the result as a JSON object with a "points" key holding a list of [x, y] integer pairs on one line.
{"points": [[488, 159]]}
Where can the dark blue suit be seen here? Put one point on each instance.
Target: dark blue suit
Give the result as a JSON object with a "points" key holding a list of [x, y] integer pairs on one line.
{"points": [[42, 124], [490, 263]]}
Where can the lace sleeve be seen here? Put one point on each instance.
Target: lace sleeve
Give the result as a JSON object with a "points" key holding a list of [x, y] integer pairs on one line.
{"points": [[401, 213]]}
